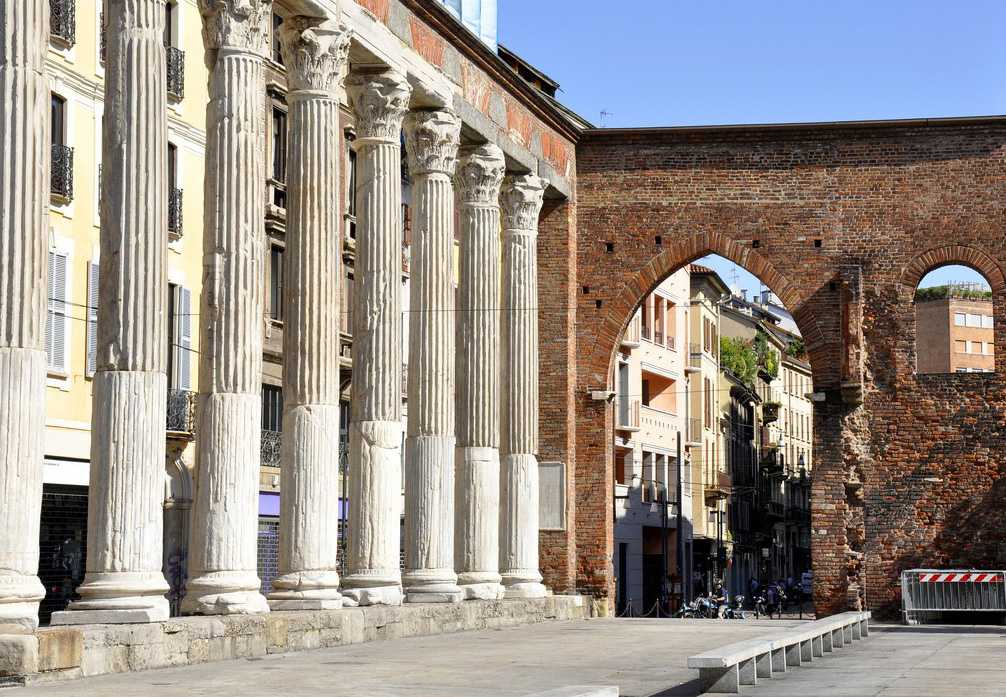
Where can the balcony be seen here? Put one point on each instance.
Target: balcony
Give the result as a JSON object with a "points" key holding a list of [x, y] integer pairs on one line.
{"points": [[694, 358], [63, 22], [174, 214], [633, 334], [61, 181], [775, 509], [627, 414], [720, 487], [181, 412], [270, 448], [694, 431], [176, 72], [646, 333]]}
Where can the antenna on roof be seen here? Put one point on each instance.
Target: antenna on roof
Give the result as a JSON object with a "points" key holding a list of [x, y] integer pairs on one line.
{"points": [[605, 114]]}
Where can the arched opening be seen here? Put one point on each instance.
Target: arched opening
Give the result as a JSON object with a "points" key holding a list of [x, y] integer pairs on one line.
{"points": [[954, 325], [712, 442]]}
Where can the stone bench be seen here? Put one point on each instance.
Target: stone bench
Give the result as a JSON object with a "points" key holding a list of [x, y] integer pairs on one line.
{"points": [[728, 667]]}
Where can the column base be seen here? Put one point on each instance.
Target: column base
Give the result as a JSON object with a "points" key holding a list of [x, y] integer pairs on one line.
{"points": [[482, 591], [288, 604], [373, 595], [224, 593], [306, 590], [122, 616], [431, 586], [19, 599], [118, 597], [525, 590]]}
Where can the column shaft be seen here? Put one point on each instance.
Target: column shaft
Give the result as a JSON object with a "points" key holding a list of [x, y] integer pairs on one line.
{"points": [[223, 548], [380, 100], [24, 206], [124, 582], [477, 464], [309, 505], [522, 199], [432, 138]]}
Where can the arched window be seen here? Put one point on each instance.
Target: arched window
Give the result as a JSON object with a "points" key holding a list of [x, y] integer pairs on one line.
{"points": [[954, 326]]}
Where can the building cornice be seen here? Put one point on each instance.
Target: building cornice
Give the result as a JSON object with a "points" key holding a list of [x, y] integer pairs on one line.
{"points": [[879, 128], [472, 47]]}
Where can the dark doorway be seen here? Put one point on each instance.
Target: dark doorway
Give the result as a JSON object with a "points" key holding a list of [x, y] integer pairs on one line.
{"points": [[62, 546]]}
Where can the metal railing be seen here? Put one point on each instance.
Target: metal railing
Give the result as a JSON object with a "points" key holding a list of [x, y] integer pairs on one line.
{"points": [[181, 411], [176, 71], [61, 180], [270, 448], [669, 341], [658, 336], [101, 37], [175, 213], [928, 593], [63, 21]]}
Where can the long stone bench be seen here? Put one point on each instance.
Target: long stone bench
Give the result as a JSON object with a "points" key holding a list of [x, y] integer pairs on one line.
{"points": [[726, 668]]}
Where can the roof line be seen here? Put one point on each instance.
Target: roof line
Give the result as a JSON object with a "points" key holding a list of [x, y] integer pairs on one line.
{"points": [[801, 126]]}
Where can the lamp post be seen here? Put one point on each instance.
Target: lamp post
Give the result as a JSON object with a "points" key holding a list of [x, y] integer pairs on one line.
{"points": [[716, 517]]}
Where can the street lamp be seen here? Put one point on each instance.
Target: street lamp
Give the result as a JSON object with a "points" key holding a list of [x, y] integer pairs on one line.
{"points": [[716, 518]]}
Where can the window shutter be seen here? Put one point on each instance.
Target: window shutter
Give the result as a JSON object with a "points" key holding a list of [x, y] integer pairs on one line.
{"points": [[56, 320], [92, 318], [183, 360]]}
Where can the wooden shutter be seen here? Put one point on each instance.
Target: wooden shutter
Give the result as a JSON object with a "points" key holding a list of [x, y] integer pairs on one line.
{"points": [[55, 326], [92, 318], [183, 330]]}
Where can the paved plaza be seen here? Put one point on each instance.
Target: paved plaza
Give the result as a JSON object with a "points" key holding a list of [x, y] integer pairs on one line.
{"points": [[640, 656]]}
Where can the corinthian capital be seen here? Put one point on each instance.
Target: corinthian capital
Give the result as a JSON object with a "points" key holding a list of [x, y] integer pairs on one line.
{"points": [[521, 199], [314, 52], [242, 24], [479, 173], [380, 101], [432, 139]]}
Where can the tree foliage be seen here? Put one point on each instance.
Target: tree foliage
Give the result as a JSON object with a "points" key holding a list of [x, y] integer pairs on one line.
{"points": [[950, 291], [738, 356], [796, 348]]}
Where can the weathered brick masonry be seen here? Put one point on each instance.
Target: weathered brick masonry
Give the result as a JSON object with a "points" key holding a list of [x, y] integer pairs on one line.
{"points": [[841, 221]]}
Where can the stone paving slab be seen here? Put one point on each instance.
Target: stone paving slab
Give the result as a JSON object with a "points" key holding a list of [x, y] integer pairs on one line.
{"points": [[643, 657], [640, 656]]}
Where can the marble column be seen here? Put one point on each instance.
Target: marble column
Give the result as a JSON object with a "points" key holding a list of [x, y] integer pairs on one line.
{"points": [[521, 199], [477, 464], [24, 214], [432, 139], [123, 581], [314, 54], [223, 549], [380, 100]]}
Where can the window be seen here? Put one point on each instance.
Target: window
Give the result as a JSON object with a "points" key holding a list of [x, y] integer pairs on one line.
{"points": [[91, 362], [347, 300], [350, 186], [960, 346], [960, 319], [56, 317], [174, 193], [61, 182], [279, 157], [169, 30], [272, 408], [987, 322], [646, 392], [179, 337], [277, 52], [974, 320], [276, 283]]}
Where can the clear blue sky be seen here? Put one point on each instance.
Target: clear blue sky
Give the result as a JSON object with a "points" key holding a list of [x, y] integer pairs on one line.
{"points": [[678, 62], [689, 62]]}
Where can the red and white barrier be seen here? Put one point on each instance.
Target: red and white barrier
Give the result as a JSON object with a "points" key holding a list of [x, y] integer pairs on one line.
{"points": [[961, 578]]}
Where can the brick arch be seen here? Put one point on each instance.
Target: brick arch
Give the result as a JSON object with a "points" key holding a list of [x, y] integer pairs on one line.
{"points": [[971, 257], [682, 252]]}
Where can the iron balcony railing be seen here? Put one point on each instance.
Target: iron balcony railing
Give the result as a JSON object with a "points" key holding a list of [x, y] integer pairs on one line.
{"points": [[61, 183], [647, 333], [176, 72], [63, 21], [175, 213], [270, 448], [181, 411]]}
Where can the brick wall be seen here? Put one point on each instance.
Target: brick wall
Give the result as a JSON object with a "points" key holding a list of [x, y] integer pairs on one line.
{"points": [[913, 475]]}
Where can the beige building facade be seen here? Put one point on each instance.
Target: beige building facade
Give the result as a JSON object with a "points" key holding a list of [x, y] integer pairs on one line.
{"points": [[954, 335]]}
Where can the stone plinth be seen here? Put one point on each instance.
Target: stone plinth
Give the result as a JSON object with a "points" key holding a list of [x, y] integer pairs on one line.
{"points": [[88, 650]]}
